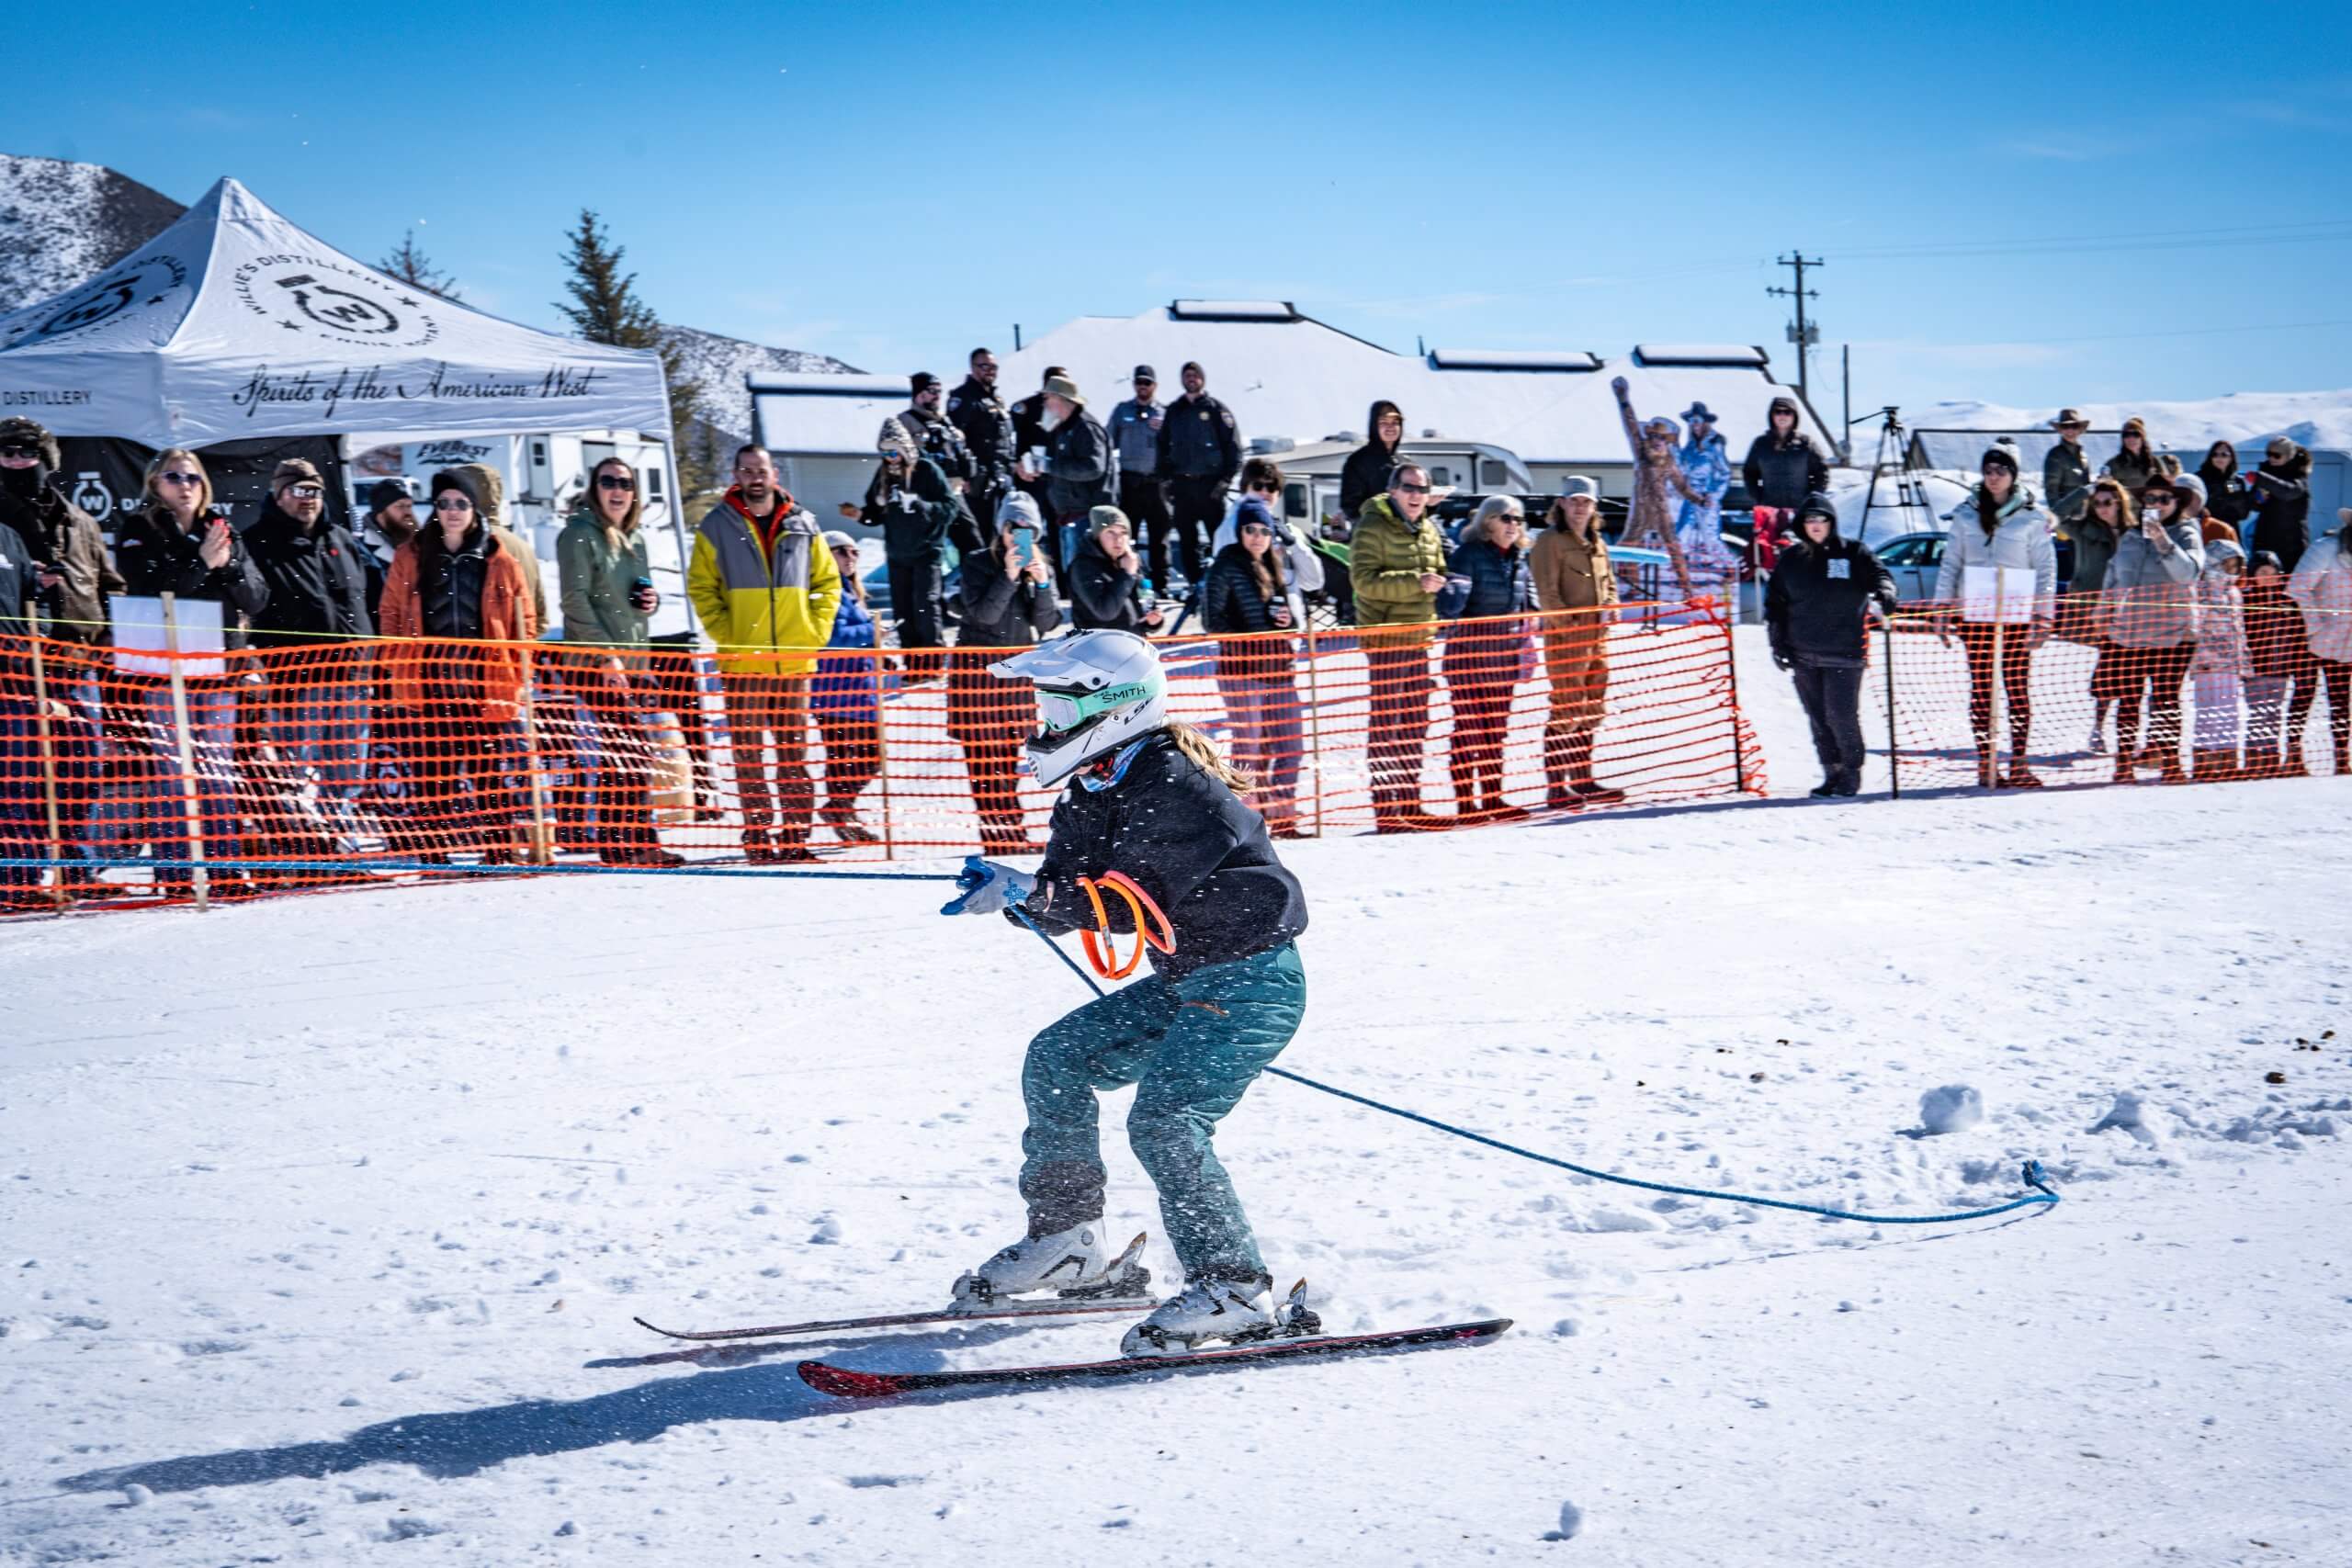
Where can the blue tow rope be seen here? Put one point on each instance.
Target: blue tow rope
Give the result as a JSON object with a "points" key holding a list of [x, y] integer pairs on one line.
{"points": [[2033, 1175]]}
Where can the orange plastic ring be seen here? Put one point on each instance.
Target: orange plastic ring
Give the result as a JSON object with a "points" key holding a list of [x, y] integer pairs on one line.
{"points": [[1105, 953]]}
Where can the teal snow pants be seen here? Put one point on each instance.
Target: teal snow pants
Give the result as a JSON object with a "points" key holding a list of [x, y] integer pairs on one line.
{"points": [[1192, 1046]]}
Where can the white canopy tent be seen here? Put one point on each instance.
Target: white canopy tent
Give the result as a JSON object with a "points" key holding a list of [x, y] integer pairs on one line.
{"points": [[233, 324]]}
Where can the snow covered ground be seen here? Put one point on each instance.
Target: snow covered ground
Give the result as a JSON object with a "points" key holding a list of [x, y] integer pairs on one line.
{"points": [[323, 1221]]}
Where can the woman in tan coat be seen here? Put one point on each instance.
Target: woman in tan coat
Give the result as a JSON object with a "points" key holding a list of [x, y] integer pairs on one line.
{"points": [[1572, 572]]}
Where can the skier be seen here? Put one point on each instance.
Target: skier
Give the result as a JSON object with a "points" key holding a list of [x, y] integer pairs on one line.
{"points": [[1153, 801]]}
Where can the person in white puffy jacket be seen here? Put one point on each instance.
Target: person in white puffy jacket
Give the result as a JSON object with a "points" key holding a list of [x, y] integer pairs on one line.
{"points": [[2002, 524], [2220, 665], [2322, 586]]}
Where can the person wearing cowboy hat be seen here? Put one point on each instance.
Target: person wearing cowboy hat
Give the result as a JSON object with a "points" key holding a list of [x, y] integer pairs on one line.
{"points": [[2282, 500], [1078, 466], [1699, 527], [2065, 471]]}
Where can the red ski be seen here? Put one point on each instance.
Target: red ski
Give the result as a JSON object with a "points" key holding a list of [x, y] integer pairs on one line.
{"points": [[847, 1382]]}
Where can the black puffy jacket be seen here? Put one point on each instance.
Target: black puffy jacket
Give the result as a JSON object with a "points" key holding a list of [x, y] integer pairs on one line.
{"points": [[1185, 838], [1815, 606], [1783, 476], [2283, 508], [1230, 602], [1000, 611]]}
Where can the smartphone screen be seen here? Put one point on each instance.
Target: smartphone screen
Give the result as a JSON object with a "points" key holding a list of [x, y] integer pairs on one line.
{"points": [[1024, 546]]}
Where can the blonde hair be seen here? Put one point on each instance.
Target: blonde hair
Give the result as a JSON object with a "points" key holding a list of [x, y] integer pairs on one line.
{"points": [[165, 458], [636, 501], [1202, 750]]}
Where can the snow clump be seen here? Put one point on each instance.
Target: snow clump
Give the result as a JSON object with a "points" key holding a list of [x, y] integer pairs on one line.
{"points": [[1955, 1108]]}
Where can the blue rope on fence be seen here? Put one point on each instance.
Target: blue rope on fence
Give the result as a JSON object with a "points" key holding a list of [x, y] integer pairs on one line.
{"points": [[2033, 1176]]}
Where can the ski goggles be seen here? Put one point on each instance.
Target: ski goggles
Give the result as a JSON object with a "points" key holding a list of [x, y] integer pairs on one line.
{"points": [[1061, 712]]}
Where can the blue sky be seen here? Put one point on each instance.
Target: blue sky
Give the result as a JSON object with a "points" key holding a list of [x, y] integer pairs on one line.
{"points": [[2031, 205]]}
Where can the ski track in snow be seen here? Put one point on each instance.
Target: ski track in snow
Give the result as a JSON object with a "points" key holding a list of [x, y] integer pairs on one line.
{"points": [[322, 1225]]}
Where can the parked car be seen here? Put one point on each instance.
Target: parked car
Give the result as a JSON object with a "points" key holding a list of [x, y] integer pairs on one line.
{"points": [[1914, 561]]}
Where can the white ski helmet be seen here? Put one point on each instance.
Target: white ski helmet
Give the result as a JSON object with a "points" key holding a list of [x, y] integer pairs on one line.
{"points": [[1096, 691]]}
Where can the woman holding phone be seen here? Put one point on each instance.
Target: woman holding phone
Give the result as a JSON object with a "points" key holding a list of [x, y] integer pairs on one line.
{"points": [[1007, 603]]}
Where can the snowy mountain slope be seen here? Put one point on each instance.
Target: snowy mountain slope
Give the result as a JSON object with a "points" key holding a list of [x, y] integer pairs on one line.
{"points": [[720, 363], [62, 222], [325, 1229]]}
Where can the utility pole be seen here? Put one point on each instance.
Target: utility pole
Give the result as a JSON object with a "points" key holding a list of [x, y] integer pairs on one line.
{"points": [[1804, 336]]}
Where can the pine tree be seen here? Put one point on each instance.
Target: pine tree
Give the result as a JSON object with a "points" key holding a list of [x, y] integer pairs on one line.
{"points": [[606, 307], [416, 269]]}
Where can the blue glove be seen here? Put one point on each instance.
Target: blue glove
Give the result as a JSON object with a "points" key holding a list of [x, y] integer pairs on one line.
{"points": [[988, 886]]}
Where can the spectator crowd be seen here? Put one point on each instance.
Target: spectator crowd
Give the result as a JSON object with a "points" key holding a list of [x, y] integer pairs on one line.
{"points": [[403, 705]]}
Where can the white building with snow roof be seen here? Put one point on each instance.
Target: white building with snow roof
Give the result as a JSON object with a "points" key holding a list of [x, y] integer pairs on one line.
{"points": [[1292, 381]]}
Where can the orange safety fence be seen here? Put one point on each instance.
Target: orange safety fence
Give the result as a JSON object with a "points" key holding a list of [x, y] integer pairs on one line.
{"points": [[132, 776], [2219, 688]]}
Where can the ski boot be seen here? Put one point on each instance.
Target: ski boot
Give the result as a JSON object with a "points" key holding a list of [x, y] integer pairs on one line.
{"points": [[1075, 1264], [1219, 1310]]}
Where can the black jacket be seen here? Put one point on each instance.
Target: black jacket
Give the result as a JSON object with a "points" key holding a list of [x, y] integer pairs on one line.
{"points": [[2282, 506], [1198, 440], [1230, 602], [916, 518], [17, 582], [1364, 475], [155, 557], [1078, 466], [2228, 498], [1814, 608], [1186, 839], [942, 441], [1101, 594], [987, 427], [449, 583], [318, 587], [1028, 418], [1003, 612], [1783, 476]]}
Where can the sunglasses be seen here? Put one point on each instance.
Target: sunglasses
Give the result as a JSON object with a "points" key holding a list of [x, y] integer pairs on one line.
{"points": [[614, 481], [306, 492], [170, 477], [19, 454], [1257, 528], [2160, 497], [452, 504], [892, 456], [1412, 490]]}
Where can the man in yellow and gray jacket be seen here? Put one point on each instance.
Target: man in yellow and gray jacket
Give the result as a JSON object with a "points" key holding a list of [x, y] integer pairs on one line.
{"points": [[765, 588]]}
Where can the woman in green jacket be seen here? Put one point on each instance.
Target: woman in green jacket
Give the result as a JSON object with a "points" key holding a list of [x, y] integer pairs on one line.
{"points": [[606, 584]]}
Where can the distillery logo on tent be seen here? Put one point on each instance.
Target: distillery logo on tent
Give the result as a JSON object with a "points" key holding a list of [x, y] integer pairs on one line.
{"points": [[326, 298], [146, 282]]}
